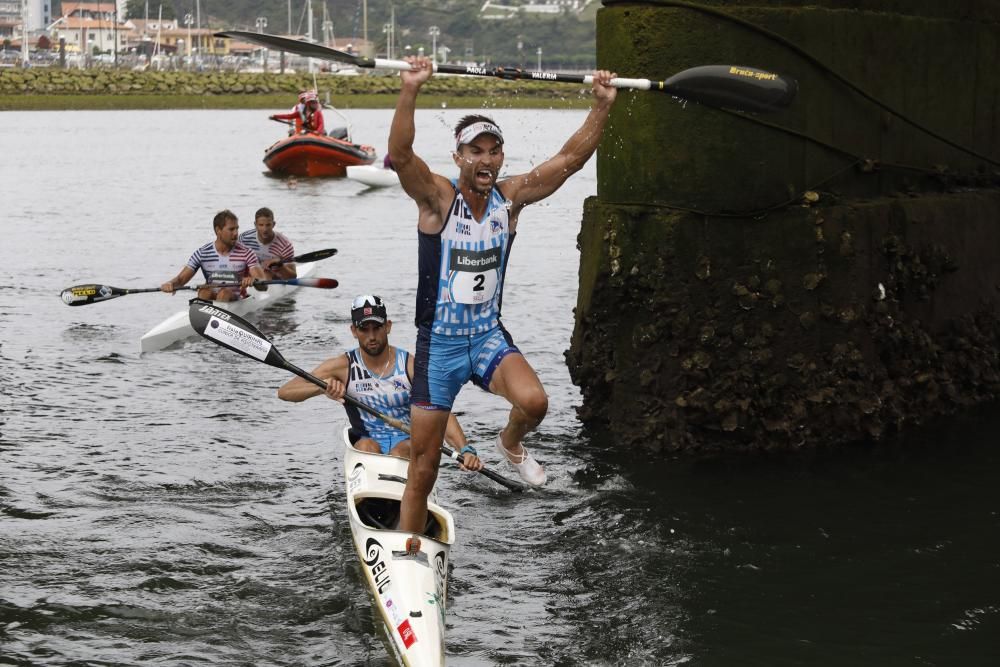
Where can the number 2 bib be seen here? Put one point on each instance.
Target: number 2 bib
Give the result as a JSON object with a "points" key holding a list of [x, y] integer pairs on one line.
{"points": [[473, 275]]}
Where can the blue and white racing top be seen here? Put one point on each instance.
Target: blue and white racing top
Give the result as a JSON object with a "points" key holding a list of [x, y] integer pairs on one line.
{"points": [[462, 268], [389, 394]]}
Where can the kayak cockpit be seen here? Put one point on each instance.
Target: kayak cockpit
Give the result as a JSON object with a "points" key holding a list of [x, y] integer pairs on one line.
{"points": [[383, 514]]}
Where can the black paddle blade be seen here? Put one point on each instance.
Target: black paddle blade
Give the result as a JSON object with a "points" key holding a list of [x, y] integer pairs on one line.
{"points": [[295, 46], [232, 331], [314, 256], [733, 87], [81, 295]]}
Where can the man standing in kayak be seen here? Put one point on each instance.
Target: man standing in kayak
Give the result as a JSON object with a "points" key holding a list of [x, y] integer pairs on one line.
{"points": [[224, 260], [271, 247], [378, 375], [465, 229]]}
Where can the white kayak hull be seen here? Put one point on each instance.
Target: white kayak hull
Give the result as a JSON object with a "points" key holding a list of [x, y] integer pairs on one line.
{"points": [[373, 177], [408, 592], [177, 327]]}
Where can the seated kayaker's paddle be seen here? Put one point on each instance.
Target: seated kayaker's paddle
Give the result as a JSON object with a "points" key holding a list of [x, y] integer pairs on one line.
{"points": [[307, 257], [232, 331], [725, 86], [82, 295]]}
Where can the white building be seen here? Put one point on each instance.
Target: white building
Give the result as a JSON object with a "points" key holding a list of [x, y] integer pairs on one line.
{"points": [[40, 14], [89, 25]]}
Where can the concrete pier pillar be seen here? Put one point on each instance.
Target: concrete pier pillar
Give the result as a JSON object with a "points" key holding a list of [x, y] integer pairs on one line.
{"points": [[820, 275]]}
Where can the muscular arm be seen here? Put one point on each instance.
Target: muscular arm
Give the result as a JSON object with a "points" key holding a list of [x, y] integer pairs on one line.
{"points": [[424, 187], [454, 435], [181, 279], [298, 389], [547, 177]]}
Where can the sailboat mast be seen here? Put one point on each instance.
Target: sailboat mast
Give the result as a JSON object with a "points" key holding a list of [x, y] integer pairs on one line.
{"points": [[309, 30]]}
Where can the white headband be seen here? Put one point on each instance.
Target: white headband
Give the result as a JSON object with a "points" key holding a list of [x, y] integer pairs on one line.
{"points": [[472, 131]]}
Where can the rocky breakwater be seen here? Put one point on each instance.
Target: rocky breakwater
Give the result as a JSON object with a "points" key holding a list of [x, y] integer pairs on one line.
{"points": [[108, 81], [746, 288]]}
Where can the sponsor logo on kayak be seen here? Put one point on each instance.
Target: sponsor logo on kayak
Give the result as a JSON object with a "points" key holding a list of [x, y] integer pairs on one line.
{"points": [[357, 479], [441, 569], [394, 611], [376, 564], [406, 633]]}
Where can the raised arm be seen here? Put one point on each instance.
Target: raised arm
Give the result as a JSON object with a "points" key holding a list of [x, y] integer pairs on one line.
{"points": [[422, 185], [333, 370], [547, 177]]}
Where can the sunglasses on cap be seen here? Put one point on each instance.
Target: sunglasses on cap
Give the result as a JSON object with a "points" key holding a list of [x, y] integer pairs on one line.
{"points": [[367, 300]]}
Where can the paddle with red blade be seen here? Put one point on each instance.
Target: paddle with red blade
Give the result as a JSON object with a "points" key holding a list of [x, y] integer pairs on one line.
{"points": [[724, 86], [235, 333]]}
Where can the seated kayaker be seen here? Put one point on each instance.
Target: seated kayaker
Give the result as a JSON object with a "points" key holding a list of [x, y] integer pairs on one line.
{"points": [[378, 375], [224, 261], [307, 114], [271, 247]]}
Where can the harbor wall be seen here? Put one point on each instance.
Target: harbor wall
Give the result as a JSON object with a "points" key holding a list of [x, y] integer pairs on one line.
{"points": [[820, 275]]}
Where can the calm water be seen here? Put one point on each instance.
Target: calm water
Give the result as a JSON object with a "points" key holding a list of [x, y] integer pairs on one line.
{"points": [[144, 520]]}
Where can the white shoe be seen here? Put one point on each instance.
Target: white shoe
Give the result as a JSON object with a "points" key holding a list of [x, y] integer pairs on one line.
{"points": [[524, 463]]}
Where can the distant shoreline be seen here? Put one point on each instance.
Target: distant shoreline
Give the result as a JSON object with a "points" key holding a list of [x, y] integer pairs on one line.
{"points": [[42, 102], [44, 89]]}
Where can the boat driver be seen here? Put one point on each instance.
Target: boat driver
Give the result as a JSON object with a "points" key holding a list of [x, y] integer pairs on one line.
{"points": [[307, 114]]}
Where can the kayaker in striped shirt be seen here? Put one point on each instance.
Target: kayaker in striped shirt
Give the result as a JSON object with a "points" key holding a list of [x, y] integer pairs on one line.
{"points": [[224, 261], [270, 246]]}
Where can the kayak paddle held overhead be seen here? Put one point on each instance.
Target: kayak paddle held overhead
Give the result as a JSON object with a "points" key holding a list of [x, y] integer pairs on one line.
{"points": [[724, 86]]}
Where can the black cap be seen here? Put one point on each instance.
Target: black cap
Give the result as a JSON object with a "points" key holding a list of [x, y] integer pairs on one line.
{"points": [[368, 308]]}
